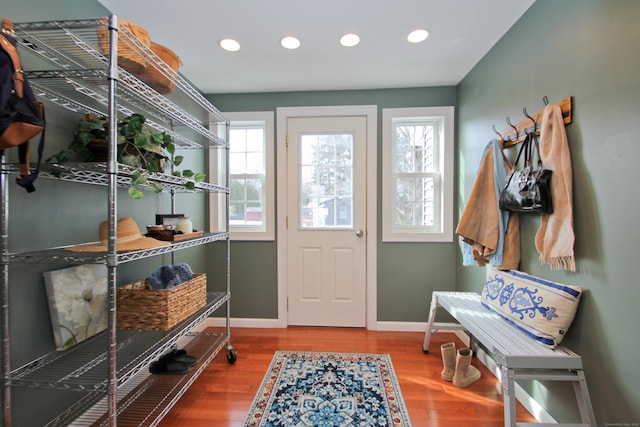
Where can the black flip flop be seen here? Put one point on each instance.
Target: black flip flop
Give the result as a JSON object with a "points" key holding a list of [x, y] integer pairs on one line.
{"points": [[168, 367], [182, 356]]}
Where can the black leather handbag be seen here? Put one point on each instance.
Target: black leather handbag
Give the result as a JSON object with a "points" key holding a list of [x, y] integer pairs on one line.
{"points": [[528, 190], [21, 116]]}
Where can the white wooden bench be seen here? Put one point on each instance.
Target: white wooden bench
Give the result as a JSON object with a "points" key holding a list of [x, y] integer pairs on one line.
{"points": [[518, 356]]}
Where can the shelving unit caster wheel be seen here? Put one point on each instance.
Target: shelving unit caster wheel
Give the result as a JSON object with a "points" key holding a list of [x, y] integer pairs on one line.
{"points": [[231, 355]]}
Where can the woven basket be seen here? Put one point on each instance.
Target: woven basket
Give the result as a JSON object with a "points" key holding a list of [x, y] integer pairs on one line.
{"points": [[148, 309], [128, 56], [155, 78]]}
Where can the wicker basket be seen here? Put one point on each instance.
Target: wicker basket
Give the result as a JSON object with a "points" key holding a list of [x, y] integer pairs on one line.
{"points": [[155, 77], [141, 308], [128, 56]]}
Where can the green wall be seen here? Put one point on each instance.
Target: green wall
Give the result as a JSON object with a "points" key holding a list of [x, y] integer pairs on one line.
{"points": [[587, 49], [407, 272]]}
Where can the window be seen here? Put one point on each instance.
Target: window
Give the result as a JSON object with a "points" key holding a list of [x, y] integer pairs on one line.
{"points": [[326, 180], [417, 194], [251, 201]]}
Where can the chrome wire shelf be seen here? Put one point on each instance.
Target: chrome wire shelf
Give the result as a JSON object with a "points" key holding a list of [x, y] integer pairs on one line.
{"points": [[63, 255], [83, 367], [80, 66], [59, 91], [96, 173], [71, 64], [156, 394]]}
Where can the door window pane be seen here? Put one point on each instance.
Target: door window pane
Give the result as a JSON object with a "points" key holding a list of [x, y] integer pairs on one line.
{"points": [[326, 181]]}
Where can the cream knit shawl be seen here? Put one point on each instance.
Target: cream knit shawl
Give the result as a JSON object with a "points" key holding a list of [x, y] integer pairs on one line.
{"points": [[555, 237]]}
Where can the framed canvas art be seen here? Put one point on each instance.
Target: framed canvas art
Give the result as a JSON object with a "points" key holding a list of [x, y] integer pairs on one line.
{"points": [[77, 303]]}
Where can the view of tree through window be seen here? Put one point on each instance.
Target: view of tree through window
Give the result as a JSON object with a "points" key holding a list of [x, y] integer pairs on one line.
{"points": [[415, 173], [326, 174], [247, 170]]}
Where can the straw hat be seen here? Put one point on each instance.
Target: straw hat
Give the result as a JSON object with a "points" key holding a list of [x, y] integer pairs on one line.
{"points": [[129, 238]]}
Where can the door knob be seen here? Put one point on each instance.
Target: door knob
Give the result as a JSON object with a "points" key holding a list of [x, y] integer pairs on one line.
{"points": [[359, 233]]}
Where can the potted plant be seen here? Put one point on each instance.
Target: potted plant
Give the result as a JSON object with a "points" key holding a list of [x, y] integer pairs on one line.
{"points": [[89, 143], [138, 146]]}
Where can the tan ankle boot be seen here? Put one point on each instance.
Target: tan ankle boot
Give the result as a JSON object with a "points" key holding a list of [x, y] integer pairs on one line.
{"points": [[448, 352], [465, 373]]}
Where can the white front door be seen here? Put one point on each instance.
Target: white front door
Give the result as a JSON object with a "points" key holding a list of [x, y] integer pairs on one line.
{"points": [[326, 221]]}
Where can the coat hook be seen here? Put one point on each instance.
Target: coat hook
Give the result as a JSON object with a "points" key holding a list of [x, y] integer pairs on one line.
{"points": [[515, 129], [524, 111], [498, 133], [545, 100]]}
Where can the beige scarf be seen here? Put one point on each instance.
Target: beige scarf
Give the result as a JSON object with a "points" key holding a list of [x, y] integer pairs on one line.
{"points": [[555, 237]]}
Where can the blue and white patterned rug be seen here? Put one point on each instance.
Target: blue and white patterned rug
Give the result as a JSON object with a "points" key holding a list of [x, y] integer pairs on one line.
{"points": [[328, 390]]}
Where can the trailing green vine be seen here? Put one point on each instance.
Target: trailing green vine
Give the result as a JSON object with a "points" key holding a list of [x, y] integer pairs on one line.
{"points": [[138, 146]]}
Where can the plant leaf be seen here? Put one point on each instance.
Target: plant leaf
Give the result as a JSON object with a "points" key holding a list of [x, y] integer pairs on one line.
{"points": [[190, 185], [199, 177], [154, 149], [156, 187], [138, 179], [141, 140], [135, 194], [187, 173], [169, 146], [130, 160], [153, 166]]}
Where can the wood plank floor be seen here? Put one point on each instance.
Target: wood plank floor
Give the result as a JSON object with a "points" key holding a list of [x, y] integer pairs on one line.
{"points": [[222, 395]]}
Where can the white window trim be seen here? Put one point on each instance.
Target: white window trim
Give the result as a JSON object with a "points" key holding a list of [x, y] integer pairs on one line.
{"points": [[217, 211], [445, 233]]}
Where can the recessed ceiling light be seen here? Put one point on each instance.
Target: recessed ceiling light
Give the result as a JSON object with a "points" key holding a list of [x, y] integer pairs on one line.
{"points": [[349, 40], [417, 36], [230, 45], [290, 42]]}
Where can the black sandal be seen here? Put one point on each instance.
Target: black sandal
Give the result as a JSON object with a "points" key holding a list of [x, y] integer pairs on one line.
{"points": [[166, 366], [182, 356]]}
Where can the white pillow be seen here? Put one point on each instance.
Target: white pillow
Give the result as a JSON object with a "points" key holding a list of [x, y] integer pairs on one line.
{"points": [[540, 308]]}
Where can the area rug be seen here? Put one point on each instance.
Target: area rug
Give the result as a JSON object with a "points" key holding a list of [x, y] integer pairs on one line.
{"points": [[328, 390]]}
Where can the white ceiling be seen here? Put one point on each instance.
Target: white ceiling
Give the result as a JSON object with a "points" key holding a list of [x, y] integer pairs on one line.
{"points": [[461, 33]]}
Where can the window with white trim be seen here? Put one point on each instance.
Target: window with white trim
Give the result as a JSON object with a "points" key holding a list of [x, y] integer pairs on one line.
{"points": [[251, 174], [417, 173]]}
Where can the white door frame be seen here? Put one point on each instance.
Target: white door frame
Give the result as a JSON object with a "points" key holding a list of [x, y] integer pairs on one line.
{"points": [[282, 115]]}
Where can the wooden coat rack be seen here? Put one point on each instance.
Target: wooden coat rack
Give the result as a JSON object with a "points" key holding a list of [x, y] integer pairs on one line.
{"points": [[512, 136]]}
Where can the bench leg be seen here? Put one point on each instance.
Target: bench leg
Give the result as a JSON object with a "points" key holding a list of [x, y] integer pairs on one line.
{"points": [[432, 317], [584, 401], [509, 396]]}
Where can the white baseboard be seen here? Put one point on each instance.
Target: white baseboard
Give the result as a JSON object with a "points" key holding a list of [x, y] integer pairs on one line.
{"points": [[241, 323], [401, 326]]}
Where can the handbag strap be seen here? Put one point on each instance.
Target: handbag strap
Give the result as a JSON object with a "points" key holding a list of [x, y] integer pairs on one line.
{"points": [[526, 148], [9, 47], [534, 138]]}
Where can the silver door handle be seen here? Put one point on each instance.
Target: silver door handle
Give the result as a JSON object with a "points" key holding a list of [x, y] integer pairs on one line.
{"points": [[359, 233]]}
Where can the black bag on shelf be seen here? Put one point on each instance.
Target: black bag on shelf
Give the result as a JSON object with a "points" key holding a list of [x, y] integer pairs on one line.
{"points": [[21, 116], [528, 190]]}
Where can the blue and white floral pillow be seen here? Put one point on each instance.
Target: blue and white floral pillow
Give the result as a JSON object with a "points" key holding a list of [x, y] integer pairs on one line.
{"points": [[540, 308]]}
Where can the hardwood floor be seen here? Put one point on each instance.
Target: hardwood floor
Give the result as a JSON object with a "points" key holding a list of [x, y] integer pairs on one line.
{"points": [[222, 395]]}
